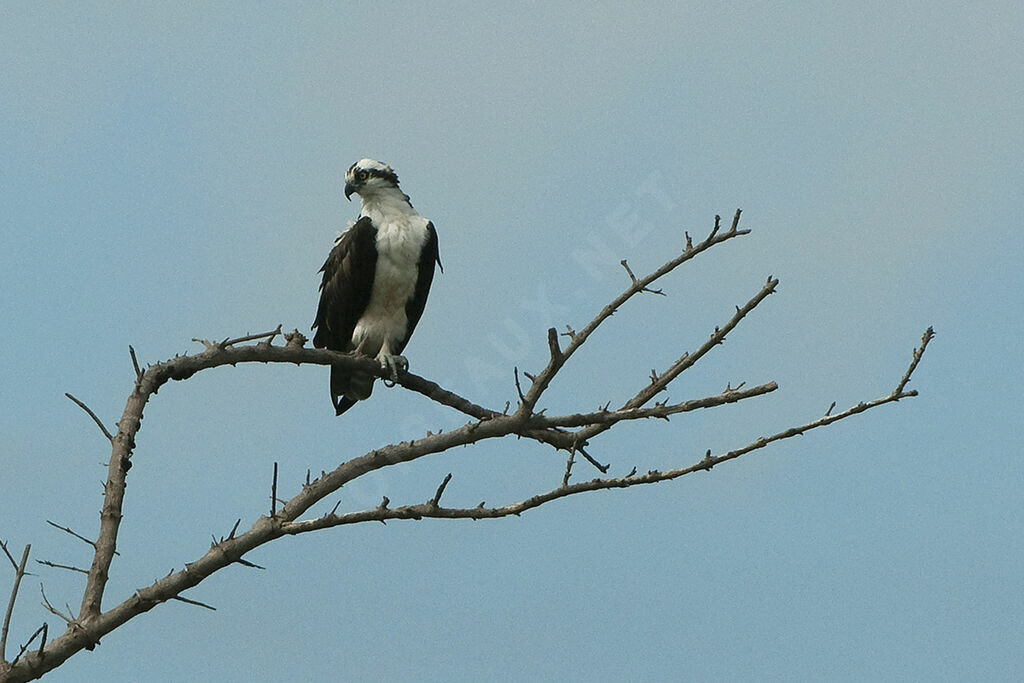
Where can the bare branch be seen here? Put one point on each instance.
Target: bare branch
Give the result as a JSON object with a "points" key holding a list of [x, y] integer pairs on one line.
{"points": [[383, 514], [638, 285], [92, 415], [569, 432], [608, 418], [18, 575]]}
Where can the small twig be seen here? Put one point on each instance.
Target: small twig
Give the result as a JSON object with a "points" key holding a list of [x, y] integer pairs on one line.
{"points": [[76, 535], [234, 528], [250, 337], [440, 490], [24, 648], [568, 466], [628, 271], [602, 468], [273, 494], [250, 565], [636, 282], [736, 220], [18, 575], [135, 363], [553, 348], [14, 563], [47, 563], [54, 610], [829, 411], [718, 223], [928, 335], [519, 389], [193, 602], [92, 415]]}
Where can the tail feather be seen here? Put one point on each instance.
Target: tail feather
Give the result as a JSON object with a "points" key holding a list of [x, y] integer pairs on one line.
{"points": [[349, 387]]}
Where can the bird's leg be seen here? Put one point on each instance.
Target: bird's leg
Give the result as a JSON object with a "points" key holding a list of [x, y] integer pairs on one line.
{"points": [[391, 362]]}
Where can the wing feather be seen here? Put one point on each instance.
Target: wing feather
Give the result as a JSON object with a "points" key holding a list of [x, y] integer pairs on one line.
{"points": [[346, 286], [414, 309]]}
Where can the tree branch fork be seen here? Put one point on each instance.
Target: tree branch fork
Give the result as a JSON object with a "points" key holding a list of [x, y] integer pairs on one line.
{"points": [[570, 433]]}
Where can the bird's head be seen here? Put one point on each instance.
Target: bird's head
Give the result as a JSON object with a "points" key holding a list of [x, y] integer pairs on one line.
{"points": [[367, 176]]}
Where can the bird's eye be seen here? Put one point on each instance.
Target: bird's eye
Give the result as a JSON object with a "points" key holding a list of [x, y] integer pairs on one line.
{"points": [[362, 175]]}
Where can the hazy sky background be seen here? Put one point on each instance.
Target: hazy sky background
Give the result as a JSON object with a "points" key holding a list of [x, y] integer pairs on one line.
{"points": [[172, 172]]}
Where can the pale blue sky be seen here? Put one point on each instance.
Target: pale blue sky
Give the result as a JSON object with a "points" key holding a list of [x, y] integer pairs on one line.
{"points": [[170, 172]]}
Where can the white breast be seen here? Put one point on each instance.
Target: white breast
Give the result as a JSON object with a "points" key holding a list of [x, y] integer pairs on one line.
{"points": [[382, 326]]}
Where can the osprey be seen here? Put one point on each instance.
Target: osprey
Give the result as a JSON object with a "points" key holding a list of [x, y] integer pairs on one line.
{"points": [[375, 281]]}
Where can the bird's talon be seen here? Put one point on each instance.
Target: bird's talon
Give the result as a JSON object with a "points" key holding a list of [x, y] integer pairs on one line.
{"points": [[392, 364]]}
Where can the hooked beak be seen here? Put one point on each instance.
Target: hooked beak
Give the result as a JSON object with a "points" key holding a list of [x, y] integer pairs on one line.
{"points": [[349, 189]]}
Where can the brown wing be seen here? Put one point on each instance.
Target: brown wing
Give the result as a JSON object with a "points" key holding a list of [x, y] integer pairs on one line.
{"points": [[414, 309], [346, 286]]}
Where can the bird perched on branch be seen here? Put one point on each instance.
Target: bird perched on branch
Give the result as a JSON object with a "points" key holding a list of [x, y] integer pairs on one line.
{"points": [[375, 281]]}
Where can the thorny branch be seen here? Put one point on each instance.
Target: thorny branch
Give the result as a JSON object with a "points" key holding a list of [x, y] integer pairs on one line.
{"points": [[570, 433]]}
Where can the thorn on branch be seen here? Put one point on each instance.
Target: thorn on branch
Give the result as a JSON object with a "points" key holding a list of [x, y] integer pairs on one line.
{"points": [[689, 242], [273, 494], [92, 415], [384, 503], [187, 601], [829, 411], [135, 364], [708, 462], [250, 565], [519, 389]]}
